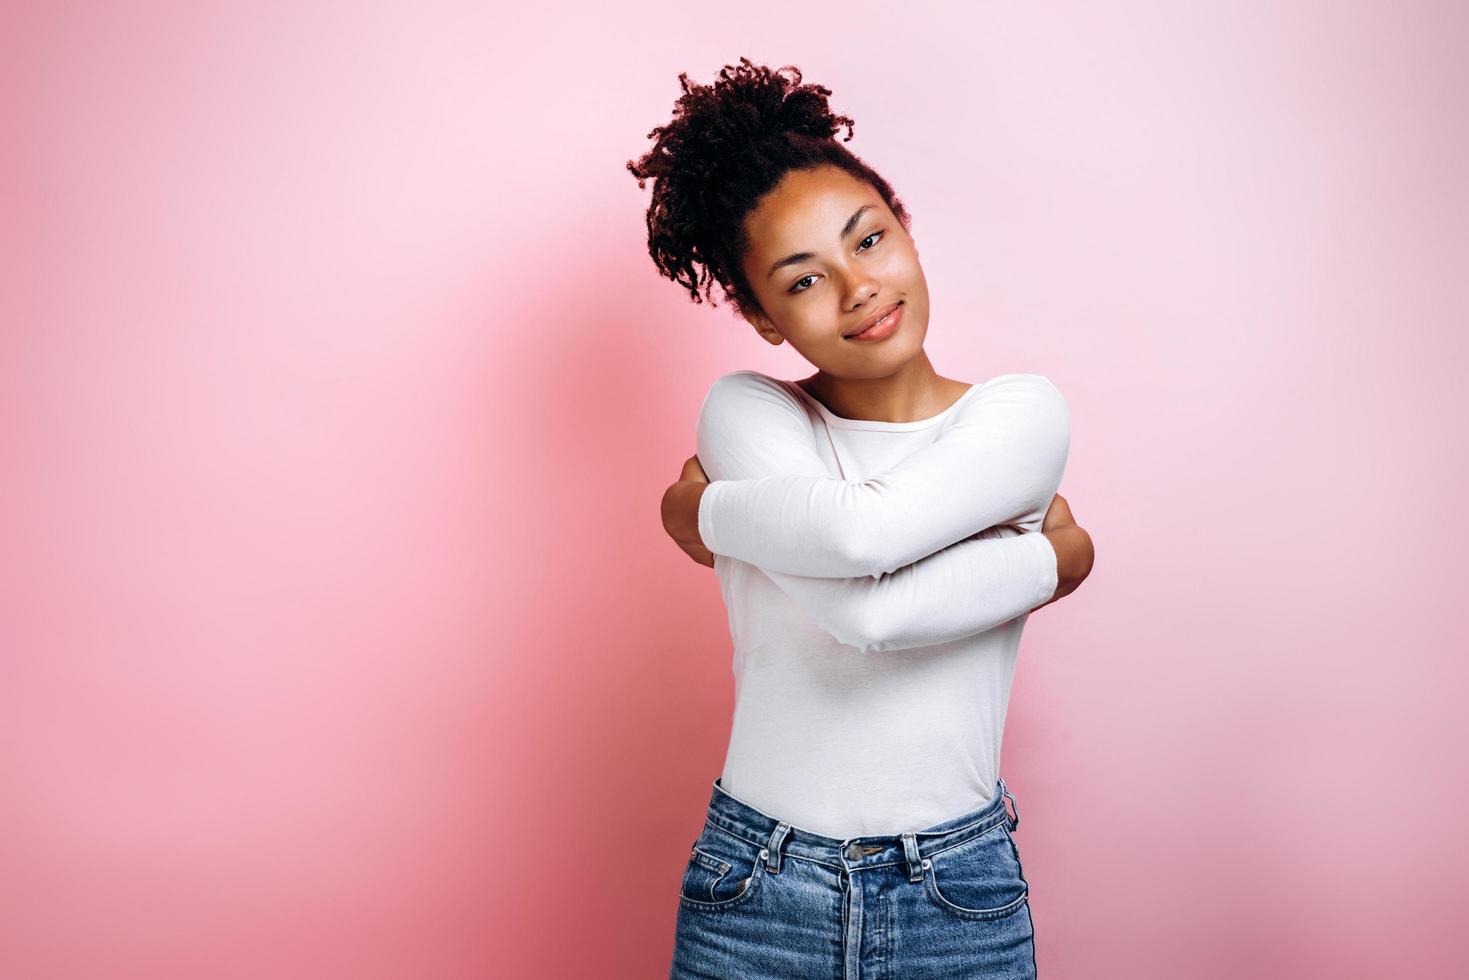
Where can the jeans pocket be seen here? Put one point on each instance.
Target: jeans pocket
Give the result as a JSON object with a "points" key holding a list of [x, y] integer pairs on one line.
{"points": [[723, 871], [978, 878]]}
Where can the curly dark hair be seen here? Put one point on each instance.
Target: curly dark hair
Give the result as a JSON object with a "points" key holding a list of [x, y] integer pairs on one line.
{"points": [[727, 145]]}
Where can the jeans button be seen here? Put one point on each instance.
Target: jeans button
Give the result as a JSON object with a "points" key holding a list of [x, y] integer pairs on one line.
{"points": [[854, 852]]}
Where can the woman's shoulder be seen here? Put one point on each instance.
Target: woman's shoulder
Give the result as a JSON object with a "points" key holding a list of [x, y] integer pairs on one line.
{"points": [[746, 384], [745, 377], [1015, 395], [1016, 385], [1019, 379], [746, 394]]}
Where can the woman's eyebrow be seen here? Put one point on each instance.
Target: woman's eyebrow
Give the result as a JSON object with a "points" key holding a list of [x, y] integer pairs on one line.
{"points": [[803, 256]]}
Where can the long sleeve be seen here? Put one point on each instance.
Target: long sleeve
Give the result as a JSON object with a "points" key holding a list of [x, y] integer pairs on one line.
{"points": [[999, 462], [750, 427]]}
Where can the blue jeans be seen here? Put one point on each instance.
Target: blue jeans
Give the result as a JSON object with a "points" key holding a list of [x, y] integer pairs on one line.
{"points": [[761, 898]]}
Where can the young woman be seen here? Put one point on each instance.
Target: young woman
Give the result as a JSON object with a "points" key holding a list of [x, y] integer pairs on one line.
{"points": [[880, 534]]}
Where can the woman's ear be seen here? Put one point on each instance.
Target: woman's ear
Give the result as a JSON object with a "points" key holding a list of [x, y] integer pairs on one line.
{"points": [[764, 327]]}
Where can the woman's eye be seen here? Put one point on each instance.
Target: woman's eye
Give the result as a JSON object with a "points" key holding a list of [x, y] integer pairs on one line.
{"points": [[798, 288]]}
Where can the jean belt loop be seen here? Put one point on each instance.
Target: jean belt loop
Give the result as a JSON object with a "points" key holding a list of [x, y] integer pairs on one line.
{"points": [[1015, 820], [910, 851], [772, 849]]}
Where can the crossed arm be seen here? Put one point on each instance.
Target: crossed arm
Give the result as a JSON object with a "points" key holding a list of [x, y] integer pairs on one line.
{"points": [[916, 555]]}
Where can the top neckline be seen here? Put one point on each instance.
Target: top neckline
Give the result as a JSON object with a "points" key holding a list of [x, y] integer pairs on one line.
{"points": [[876, 425]]}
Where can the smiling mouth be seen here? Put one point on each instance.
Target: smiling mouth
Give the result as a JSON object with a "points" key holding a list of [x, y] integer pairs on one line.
{"points": [[878, 322]]}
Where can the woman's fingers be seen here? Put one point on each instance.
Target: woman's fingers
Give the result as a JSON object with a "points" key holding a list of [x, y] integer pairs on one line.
{"points": [[1058, 514], [692, 470]]}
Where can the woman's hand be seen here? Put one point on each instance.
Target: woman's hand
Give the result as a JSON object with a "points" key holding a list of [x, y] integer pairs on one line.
{"points": [[1058, 514], [681, 511], [1074, 551], [694, 470]]}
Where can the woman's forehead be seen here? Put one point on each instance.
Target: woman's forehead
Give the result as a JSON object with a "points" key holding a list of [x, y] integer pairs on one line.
{"points": [[809, 210]]}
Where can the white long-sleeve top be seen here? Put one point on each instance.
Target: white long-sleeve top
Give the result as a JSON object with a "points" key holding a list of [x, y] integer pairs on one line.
{"points": [[877, 577]]}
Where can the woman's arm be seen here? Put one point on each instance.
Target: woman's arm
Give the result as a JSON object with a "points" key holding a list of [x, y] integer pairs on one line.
{"points": [[922, 603], [749, 427], [967, 588], [999, 462]]}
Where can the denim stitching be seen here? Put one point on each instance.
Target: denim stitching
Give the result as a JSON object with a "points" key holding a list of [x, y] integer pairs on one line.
{"points": [[718, 865], [996, 820], [784, 854], [1000, 912], [953, 844], [931, 884], [747, 889]]}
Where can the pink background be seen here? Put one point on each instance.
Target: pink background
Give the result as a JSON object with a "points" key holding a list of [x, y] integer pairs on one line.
{"points": [[337, 394]]}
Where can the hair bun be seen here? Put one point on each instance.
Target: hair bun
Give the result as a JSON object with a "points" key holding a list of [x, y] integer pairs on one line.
{"points": [[760, 103]]}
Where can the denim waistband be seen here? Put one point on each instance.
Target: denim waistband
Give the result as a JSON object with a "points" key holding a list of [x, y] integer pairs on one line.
{"points": [[778, 838]]}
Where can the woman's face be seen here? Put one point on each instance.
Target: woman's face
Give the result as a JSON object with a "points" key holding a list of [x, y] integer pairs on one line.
{"points": [[825, 255]]}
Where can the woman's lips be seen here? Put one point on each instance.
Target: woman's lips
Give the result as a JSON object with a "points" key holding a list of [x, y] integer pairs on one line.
{"points": [[882, 328]]}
